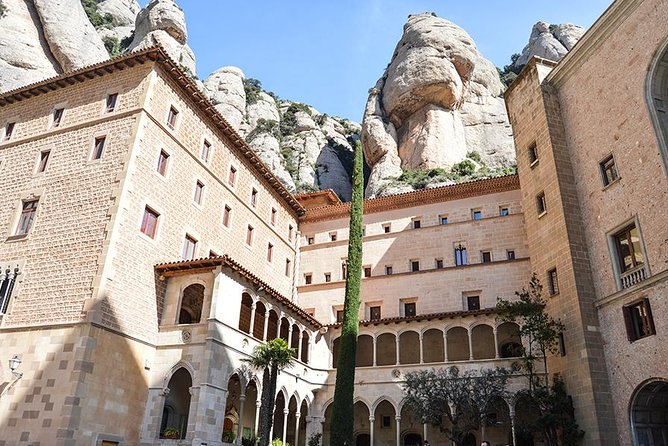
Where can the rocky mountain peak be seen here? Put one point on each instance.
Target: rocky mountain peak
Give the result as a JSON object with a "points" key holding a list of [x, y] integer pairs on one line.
{"points": [[438, 101], [550, 41]]}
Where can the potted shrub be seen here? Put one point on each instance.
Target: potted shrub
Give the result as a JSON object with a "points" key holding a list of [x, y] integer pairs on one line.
{"points": [[171, 433]]}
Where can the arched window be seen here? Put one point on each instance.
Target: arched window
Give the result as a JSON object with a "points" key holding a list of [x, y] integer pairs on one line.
{"points": [[245, 313], [177, 406], [191, 304], [657, 89], [305, 344], [649, 413], [258, 325]]}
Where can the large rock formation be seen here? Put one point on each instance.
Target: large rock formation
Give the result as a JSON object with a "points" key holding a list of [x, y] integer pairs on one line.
{"points": [[305, 149], [163, 23], [550, 41], [438, 100], [117, 25], [42, 38]]}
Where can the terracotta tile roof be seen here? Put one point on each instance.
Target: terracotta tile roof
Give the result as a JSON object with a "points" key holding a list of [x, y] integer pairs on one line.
{"points": [[326, 197], [420, 197], [423, 317], [184, 266], [158, 55]]}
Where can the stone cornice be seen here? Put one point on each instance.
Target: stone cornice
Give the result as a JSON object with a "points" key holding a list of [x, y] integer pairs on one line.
{"points": [[421, 197]]}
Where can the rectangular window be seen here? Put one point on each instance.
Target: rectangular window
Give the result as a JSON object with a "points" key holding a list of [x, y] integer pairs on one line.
{"points": [[344, 269], [608, 170], [504, 212], [638, 320], [532, 152], [189, 247], [310, 240], [460, 256], [227, 214], [308, 279], [253, 198], [272, 216], [417, 224], [486, 256], [385, 422], [28, 211], [439, 263], [386, 228], [290, 232], [111, 103], [332, 236], [473, 303], [476, 214], [249, 235], [541, 205], [444, 219], [552, 282], [409, 309], [288, 267], [270, 252], [57, 117], [149, 223], [328, 277], [232, 176], [98, 148], [206, 151], [374, 313], [43, 161], [367, 271], [9, 130], [163, 160], [510, 255], [627, 244], [199, 192], [415, 266], [339, 316], [388, 270], [171, 117]]}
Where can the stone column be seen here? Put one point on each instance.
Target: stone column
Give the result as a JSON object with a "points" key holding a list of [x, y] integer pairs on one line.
{"points": [[266, 325], [289, 337], [512, 423], [207, 407], [297, 415], [424, 432], [286, 411], [421, 349], [496, 341], [153, 412], [242, 402], [398, 419], [445, 345], [470, 345], [398, 351], [299, 349], [374, 350], [252, 321], [371, 420], [258, 404]]}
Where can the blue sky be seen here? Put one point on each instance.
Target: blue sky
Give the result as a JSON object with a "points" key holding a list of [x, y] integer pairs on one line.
{"points": [[329, 53]]}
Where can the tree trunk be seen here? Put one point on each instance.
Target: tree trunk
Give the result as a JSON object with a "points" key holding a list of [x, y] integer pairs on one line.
{"points": [[342, 410], [266, 410]]}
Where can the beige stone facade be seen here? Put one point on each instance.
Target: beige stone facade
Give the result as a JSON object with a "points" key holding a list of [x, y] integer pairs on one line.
{"points": [[147, 251]]}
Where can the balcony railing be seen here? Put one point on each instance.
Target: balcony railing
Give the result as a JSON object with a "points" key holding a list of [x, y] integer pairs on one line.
{"points": [[633, 276]]}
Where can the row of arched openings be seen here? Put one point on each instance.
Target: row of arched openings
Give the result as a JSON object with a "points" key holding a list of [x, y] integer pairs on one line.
{"points": [[436, 346], [253, 322]]}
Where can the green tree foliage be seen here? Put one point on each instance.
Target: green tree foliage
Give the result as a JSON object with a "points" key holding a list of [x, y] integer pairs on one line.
{"points": [[464, 400], [3, 8], [342, 413], [510, 71], [98, 20], [553, 417], [253, 88], [270, 357], [464, 168], [113, 46]]}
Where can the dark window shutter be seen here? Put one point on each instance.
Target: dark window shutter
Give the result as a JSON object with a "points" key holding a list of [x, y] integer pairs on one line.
{"points": [[649, 316], [628, 321]]}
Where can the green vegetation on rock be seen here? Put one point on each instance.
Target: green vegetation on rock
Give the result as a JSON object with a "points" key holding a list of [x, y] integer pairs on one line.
{"points": [[3, 8], [510, 71], [98, 20], [113, 46], [253, 88]]}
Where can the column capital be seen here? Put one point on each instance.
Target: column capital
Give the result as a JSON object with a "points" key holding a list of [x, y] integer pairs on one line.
{"points": [[372, 418], [286, 411], [397, 418]]}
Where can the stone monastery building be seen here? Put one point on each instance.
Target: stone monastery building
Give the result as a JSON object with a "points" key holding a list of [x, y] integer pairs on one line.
{"points": [[147, 250]]}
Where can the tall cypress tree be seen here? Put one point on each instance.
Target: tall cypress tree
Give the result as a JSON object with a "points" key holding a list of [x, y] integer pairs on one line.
{"points": [[342, 412]]}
